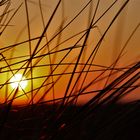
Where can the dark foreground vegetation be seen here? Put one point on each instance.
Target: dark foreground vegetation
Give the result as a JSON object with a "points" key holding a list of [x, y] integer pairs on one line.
{"points": [[56, 54], [42, 122]]}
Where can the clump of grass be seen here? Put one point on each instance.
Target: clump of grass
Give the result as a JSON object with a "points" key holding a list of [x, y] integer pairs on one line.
{"points": [[61, 67]]}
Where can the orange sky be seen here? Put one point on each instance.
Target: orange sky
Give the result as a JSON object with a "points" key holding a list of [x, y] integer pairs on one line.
{"points": [[109, 49]]}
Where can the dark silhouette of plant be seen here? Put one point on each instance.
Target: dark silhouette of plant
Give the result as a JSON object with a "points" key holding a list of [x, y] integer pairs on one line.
{"points": [[71, 59]]}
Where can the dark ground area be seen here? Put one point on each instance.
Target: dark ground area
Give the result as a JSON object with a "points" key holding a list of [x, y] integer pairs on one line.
{"points": [[45, 122]]}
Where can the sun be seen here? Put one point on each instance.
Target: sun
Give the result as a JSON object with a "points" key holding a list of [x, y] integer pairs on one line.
{"points": [[18, 81]]}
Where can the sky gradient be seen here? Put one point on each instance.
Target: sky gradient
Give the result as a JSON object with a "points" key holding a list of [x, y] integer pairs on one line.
{"points": [[51, 69]]}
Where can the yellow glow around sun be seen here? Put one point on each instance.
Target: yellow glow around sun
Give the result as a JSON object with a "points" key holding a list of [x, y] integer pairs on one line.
{"points": [[18, 81]]}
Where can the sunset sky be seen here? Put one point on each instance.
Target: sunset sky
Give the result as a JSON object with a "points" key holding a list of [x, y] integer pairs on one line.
{"points": [[14, 58]]}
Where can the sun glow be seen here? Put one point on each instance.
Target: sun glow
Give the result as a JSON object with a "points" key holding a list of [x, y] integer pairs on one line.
{"points": [[18, 81]]}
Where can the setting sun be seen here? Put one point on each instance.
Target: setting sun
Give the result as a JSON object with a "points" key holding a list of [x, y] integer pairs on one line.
{"points": [[18, 81]]}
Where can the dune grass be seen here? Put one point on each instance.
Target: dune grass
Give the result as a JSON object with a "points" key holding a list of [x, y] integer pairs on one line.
{"points": [[67, 59]]}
